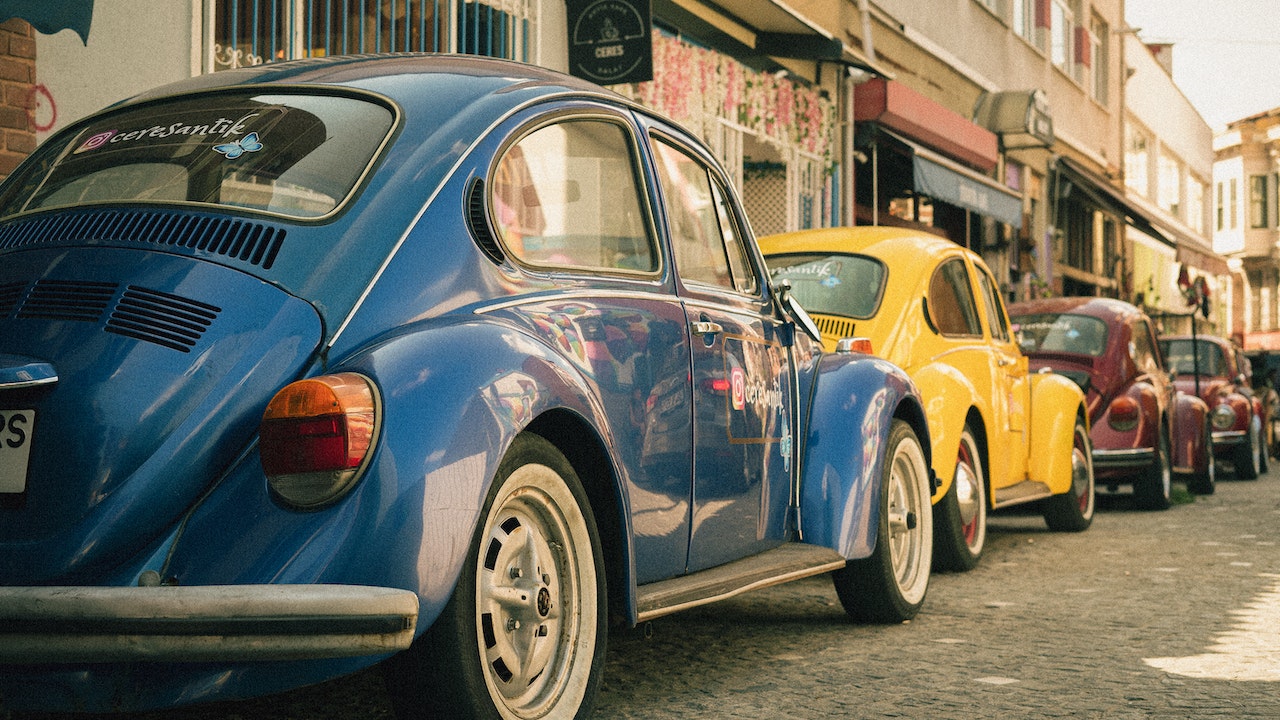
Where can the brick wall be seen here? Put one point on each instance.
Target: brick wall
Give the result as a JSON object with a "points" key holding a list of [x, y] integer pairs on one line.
{"points": [[17, 80]]}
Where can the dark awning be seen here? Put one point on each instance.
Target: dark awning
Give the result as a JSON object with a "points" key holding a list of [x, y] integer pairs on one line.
{"points": [[1106, 195], [943, 179], [51, 16]]}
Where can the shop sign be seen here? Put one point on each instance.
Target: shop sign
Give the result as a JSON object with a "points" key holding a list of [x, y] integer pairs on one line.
{"points": [[610, 41]]}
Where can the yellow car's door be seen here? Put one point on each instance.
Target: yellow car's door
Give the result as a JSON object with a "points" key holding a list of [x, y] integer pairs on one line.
{"points": [[1012, 396]]}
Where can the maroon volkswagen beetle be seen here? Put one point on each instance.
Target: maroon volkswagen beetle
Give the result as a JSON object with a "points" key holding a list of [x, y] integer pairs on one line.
{"points": [[1219, 373], [1143, 429]]}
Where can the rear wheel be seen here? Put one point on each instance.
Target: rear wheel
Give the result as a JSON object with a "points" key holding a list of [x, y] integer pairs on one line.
{"points": [[890, 585], [523, 635], [960, 517], [1152, 488], [1072, 511]]}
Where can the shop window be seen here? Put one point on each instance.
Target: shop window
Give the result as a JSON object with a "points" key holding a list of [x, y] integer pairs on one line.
{"points": [[252, 32]]}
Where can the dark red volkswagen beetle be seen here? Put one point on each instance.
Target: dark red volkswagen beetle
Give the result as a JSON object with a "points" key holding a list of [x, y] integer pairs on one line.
{"points": [[1218, 372], [1143, 429]]}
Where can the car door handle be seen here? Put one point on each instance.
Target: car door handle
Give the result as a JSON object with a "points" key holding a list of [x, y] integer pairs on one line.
{"points": [[705, 327]]}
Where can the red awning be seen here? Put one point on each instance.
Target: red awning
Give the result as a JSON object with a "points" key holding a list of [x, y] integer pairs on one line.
{"points": [[899, 108]]}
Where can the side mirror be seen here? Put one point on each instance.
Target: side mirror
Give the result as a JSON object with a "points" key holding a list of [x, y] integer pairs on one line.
{"points": [[782, 291]]}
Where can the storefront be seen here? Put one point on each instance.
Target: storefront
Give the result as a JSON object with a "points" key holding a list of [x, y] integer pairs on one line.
{"points": [[925, 167]]}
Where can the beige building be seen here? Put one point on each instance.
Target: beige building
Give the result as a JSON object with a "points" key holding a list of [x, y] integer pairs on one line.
{"points": [[1168, 171], [1246, 229]]}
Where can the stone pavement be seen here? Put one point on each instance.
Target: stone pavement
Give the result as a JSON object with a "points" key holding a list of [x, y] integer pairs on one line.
{"points": [[1171, 614]]}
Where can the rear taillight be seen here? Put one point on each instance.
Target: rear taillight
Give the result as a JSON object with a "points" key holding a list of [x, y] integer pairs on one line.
{"points": [[315, 437], [1123, 414]]}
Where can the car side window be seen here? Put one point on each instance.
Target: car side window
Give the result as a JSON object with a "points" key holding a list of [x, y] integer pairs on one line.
{"points": [[707, 242], [567, 195], [1143, 348], [951, 306], [995, 309]]}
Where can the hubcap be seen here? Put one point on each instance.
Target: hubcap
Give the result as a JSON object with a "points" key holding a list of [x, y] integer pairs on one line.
{"points": [[966, 483], [530, 607]]}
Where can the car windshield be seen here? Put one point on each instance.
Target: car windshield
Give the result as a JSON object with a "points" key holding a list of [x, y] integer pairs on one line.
{"points": [[289, 154], [1061, 333], [832, 284], [1182, 361]]}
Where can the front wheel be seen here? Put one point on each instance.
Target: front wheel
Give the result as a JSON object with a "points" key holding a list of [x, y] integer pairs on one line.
{"points": [[523, 635], [1248, 457], [890, 585], [960, 517], [1072, 511]]}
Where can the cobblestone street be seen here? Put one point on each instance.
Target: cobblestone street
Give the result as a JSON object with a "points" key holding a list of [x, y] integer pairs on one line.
{"points": [[1147, 615]]}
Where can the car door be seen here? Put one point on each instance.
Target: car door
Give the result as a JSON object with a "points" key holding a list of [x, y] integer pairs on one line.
{"points": [[739, 370], [1011, 401]]}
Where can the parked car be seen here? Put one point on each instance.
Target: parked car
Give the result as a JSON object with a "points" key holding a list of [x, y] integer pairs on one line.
{"points": [[1142, 428], [1001, 435], [445, 360], [1265, 381], [1214, 369]]}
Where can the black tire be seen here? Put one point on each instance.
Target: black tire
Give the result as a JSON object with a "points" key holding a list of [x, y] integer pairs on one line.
{"points": [[1204, 483], [1248, 457], [1152, 488], [960, 517], [523, 634], [1072, 511], [890, 585]]}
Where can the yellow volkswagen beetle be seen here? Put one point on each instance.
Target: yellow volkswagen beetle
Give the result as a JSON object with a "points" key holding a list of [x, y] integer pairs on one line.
{"points": [[1001, 436]]}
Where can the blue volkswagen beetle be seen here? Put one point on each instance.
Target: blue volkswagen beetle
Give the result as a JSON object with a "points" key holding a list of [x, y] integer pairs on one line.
{"points": [[436, 362]]}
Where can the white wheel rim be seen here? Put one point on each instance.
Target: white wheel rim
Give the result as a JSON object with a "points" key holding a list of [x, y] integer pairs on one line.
{"points": [[536, 605], [910, 522]]}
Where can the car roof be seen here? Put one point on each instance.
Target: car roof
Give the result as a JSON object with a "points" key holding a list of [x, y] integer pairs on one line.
{"points": [[1107, 309], [898, 247], [404, 77]]}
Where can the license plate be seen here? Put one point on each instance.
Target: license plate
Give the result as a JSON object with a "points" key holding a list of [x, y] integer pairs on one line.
{"points": [[15, 448]]}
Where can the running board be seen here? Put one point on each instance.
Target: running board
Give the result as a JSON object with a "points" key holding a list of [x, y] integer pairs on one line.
{"points": [[1023, 492], [784, 563]]}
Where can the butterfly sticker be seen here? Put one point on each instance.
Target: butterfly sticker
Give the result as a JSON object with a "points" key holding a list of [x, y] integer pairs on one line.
{"points": [[233, 150]]}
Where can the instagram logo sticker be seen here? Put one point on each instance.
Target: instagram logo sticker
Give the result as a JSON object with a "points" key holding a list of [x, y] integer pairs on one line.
{"points": [[738, 388], [95, 141]]}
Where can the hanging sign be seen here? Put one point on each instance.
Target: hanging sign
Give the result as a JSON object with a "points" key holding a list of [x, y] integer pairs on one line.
{"points": [[610, 40]]}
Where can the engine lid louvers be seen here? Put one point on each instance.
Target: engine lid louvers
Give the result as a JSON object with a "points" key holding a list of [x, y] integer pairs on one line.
{"points": [[152, 316]]}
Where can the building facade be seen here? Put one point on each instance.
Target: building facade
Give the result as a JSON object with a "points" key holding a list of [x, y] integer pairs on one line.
{"points": [[1246, 229], [1005, 125]]}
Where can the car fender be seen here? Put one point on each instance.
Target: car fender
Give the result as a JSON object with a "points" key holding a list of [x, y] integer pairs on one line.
{"points": [[855, 398], [402, 525], [1056, 403], [1192, 451], [949, 396]]}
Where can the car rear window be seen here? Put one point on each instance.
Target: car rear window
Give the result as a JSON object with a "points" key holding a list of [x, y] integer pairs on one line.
{"points": [[832, 284], [289, 154], [1063, 333]]}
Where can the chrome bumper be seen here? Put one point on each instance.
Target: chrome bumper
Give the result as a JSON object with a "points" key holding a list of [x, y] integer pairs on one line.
{"points": [[221, 623], [1227, 438], [1123, 459]]}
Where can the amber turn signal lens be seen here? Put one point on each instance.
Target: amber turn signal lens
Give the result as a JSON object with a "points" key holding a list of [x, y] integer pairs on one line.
{"points": [[315, 437]]}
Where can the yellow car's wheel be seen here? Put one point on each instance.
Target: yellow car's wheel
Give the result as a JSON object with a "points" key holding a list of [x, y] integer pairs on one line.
{"points": [[960, 517]]}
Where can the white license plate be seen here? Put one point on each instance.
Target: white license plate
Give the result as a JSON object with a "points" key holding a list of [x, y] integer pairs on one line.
{"points": [[15, 448]]}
